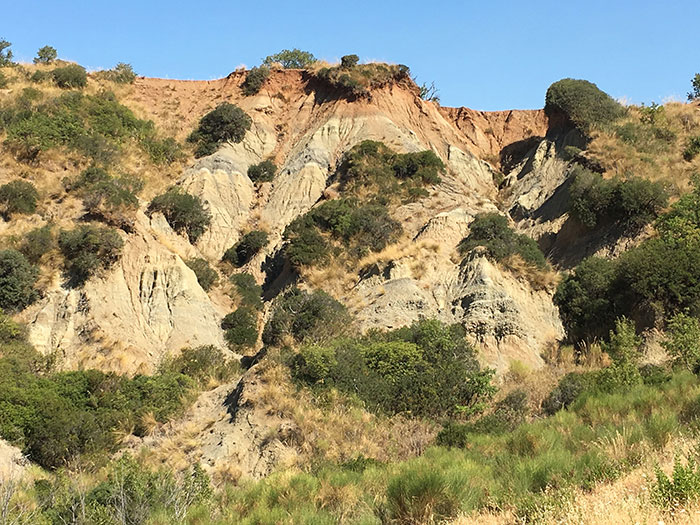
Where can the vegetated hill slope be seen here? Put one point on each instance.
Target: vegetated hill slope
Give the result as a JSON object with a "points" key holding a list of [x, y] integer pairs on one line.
{"points": [[150, 304]]}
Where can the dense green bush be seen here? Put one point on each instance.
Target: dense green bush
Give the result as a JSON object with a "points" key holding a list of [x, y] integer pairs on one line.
{"points": [[4, 82], [254, 80], [184, 212], [17, 279], [18, 196], [359, 227], [5, 53], [631, 203], [45, 55], [646, 136], [88, 249], [291, 59], [241, 328], [683, 341], [121, 74], [307, 317], [202, 364], [356, 81], [569, 388], [583, 103], [225, 123], [96, 126], [491, 230], [70, 76], [427, 369], [695, 91], [692, 149], [40, 76], [349, 61], [586, 300], [263, 171], [36, 243], [371, 165], [248, 291], [681, 488], [248, 247], [206, 275]]}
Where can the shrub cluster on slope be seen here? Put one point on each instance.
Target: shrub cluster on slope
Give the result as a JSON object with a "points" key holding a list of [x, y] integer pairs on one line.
{"points": [[583, 103], [227, 122], [17, 279], [291, 59], [87, 249], [18, 196], [248, 247], [354, 80], [184, 212]]}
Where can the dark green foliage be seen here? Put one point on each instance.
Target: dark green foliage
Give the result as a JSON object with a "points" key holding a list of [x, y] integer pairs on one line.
{"points": [[682, 341], [5, 53], [359, 227], [184, 212], [105, 196], [583, 103], [36, 243], [647, 136], [70, 76], [427, 369], [570, 387], [681, 488], [356, 81], [17, 279], [692, 94], [248, 290], [93, 125], [206, 275], [254, 80], [692, 149], [291, 59], [241, 328], [307, 317], [40, 76], [247, 248], [18, 196], [371, 165], [631, 203], [585, 300], [225, 123], [3, 80], [349, 61], [55, 417], [121, 74], [45, 55], [88, 249], [263, 171], [202, 364], [491, 230]]}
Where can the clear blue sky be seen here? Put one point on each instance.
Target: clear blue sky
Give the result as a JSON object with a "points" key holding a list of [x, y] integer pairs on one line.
{"points": [[485, 55]]}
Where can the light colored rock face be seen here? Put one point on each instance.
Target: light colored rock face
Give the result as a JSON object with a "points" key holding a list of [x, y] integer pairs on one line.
{"points": [[149, 304], [12, 462]]}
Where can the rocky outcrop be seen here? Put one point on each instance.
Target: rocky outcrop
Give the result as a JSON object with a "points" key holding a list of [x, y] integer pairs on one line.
{"points": [[12, 462]]}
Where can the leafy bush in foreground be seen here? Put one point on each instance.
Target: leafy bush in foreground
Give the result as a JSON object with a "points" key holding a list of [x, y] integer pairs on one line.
{"points": [[70, 76], [492, 231], [87, 249], [583, 103], [184, 212], [18, 196], [681, 488], [241, 328], [17, 279], [226, 122], [254, 80]]}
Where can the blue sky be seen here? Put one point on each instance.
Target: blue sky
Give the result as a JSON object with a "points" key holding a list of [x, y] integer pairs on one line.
{"points": [[485, 55]]}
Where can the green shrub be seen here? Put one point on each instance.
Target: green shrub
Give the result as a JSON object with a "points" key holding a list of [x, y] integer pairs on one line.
{"points": [[249, 292], [585, 299], [427, 369], [225, 123], [104, 196], [583, 103], [631, 203], [692, 149], [70, 76], [291, 59], [241, 328], [18, 196], [5, 53], [36, 243], [121, 74], [356, 81], [254, 80], [681, 488], [569, 388], [87, 249], [206, 275], [184, 212], [247, 248], [349, 61], [694, 92], [263, 171], [683, 340], [307, 317], [45, 55], [4, 82], [491, 230], [40, 76], [17, 279], [202, 364]]}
